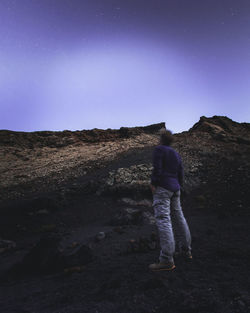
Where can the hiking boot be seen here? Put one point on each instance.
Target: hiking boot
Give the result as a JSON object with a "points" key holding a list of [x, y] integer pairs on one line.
{"points": [[188, 255], [185, 254], [162, 266]]}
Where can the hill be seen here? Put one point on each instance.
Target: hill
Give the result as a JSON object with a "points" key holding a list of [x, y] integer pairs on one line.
{"points": [[76, 208]]}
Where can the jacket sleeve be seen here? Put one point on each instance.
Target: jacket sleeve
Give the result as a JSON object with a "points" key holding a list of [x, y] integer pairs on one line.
{"points": [[181, 173], [157, 166]]}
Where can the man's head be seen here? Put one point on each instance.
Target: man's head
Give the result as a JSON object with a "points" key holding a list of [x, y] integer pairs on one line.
{"points": [[166, 137]]}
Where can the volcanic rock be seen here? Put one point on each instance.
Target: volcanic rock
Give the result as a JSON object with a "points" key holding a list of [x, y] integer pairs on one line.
{"points": [[74, 184], [128, 216], [47, 257], [6, 245]]}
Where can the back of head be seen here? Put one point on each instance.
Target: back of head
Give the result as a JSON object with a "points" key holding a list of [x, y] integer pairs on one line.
{"points": [[166, 137]]}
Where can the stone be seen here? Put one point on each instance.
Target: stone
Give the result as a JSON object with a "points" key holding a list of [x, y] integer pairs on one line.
{"points": [[43, 211], [125, 178], [6, 245], [143, 244], [77, 256], [119, 230], [44, 257], [100, 236], [47, 257], [128, 216], [143, 202]]}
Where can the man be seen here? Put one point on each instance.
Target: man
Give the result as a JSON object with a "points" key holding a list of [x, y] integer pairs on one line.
{"points": [[166, 182]]}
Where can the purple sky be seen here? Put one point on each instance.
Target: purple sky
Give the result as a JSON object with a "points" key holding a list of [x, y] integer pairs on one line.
{"points": [[78, 64]]}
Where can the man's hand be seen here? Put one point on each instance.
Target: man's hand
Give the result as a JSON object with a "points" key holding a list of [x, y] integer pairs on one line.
{"points": [[152, 188]]}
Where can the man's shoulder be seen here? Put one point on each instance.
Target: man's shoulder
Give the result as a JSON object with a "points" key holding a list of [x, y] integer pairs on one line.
{"points": [[170, 149], [158, 150]]}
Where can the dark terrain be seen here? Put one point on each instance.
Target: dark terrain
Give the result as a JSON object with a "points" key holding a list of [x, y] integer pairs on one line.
{"points": [[77, 231]]}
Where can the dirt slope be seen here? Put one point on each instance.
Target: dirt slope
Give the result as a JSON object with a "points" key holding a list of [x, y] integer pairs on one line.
{"points": [[79, 185]]}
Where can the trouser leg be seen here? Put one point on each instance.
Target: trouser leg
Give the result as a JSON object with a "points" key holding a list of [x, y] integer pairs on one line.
{"points": [[180, 225], [161, 204]]}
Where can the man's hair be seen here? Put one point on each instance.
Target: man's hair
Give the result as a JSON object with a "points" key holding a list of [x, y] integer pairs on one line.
{"points": [[166, 136]]}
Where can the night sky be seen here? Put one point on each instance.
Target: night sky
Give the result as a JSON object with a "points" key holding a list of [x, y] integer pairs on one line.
{"points": [[78, 64]]}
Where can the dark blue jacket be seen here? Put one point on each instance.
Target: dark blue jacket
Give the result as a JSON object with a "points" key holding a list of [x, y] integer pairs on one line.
{"points": [[168, 168]]}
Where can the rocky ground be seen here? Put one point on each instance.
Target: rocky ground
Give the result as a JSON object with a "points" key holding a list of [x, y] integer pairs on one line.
{"points": [[77, 231]]}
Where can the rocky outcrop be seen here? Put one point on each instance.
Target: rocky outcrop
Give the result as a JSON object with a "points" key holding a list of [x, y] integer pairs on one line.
{"points": [[78, 226], [57, 139], [31, 162], [224, 129], [135, 180], [114, 162], [47, 256], [126, 180]]}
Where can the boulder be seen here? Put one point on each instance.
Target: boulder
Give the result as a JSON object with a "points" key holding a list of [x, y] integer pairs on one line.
{"points": [[128, 216], [6, 245], [48, 257]]}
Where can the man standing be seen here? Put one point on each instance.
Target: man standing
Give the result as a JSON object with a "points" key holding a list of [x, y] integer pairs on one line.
{"points": [[166, 182]]}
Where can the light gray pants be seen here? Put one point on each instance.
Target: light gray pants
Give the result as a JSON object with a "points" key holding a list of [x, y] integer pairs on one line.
{"points": [[168, 211]]}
